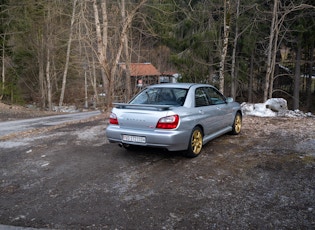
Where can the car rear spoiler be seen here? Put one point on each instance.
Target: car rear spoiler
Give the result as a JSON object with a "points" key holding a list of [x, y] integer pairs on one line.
{"points": [[141, 106]]}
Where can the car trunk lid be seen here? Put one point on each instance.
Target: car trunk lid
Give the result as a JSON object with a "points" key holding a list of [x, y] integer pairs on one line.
{"points": [[144, 117]]}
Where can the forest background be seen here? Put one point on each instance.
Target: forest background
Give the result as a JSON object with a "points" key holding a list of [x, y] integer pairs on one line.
{"points": [[56, 52]]}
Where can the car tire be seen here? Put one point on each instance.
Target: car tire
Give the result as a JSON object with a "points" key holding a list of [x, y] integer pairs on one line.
{"points": [[237, 124], [195, 143]]}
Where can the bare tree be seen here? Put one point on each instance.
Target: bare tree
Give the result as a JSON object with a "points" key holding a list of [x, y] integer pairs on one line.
{"points": [[102, 41], [49, 56], [85, 37], [109, 63], [3, 67], [41, 66], [233, 73], [227, 20], [127, 57], [271, 47], [238, 34], [64, 78], [276, 25], [297, 75], [48, 80], [309, 79]]}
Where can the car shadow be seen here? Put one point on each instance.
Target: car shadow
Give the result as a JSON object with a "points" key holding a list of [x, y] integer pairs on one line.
{"points": [[148, 153]]}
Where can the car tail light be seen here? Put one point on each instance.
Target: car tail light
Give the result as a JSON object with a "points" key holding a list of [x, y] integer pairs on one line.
{"points": [[113, 119], [169, 122]]}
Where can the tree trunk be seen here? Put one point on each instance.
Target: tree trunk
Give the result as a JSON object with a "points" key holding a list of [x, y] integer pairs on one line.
{"points": [[273, 59], [233, 75], [114, 66], [270, 49], [127, 58], [226, 25], [64, 78], [102, 40], [309, 79], [48, 81], [251, 73], [41, 72], [210, 55], [94, 83], [296, 93], [3, 70]]}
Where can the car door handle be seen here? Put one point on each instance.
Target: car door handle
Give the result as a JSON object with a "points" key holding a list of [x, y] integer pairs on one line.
{"points": [[201, 111]]}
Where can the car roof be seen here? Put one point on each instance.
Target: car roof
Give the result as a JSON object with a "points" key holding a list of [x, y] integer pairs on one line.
{"points": [[177, 85]]}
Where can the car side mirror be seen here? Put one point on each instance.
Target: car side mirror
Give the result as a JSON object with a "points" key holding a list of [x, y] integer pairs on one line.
{"points": [[229, 100]]}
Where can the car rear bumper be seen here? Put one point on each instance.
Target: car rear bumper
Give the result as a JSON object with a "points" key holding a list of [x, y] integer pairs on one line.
{"points": [[172, 140]]}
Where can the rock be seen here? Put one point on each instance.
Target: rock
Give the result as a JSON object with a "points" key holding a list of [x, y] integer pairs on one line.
{"points": [[276, 104]]}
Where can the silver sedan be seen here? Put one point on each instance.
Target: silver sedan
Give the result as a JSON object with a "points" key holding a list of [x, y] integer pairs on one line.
{"points": [[175, 116]]}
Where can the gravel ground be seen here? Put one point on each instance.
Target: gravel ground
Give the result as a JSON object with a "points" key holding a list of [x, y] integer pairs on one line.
{"points": [[72, 178]]}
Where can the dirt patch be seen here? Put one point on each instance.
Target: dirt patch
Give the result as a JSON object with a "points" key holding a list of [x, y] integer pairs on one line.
{"points": [[14, 112]]}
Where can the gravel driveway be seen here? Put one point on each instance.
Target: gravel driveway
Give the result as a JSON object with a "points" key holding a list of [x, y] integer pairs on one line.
{"points": [[70, 177]]}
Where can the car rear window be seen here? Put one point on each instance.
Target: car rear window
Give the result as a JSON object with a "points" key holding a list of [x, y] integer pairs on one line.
{"points": [[161, 96]]}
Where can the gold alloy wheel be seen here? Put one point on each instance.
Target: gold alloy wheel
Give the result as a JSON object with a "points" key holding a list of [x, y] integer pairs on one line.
{"points": [[237, 123], [196, 141]]}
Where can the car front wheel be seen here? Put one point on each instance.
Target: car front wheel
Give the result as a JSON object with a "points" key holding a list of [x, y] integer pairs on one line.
{"points": [[195, 143], [237, 125]]}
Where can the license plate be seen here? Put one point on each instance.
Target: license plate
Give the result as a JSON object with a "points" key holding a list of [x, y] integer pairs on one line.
{"points": [[135, 139]]}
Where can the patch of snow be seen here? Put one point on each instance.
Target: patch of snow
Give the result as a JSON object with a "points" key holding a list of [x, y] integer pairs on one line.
{"points": [[45, 164], [272, 108], [24, 141], [12, 144], [258, 110]]}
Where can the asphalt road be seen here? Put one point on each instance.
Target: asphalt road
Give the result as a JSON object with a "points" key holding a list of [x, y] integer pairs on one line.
{"points": [[9, 127]]}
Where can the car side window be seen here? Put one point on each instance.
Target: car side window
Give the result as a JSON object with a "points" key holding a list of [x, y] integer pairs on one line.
{"points": [[214, 96], [201, 98]]}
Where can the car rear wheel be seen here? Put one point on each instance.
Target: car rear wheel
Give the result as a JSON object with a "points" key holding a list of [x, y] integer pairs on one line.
{"points": [[237, 125], [195, 143]]}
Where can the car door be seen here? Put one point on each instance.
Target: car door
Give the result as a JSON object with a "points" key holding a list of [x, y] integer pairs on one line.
{"points": [[223, 110], [207, 113]]}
